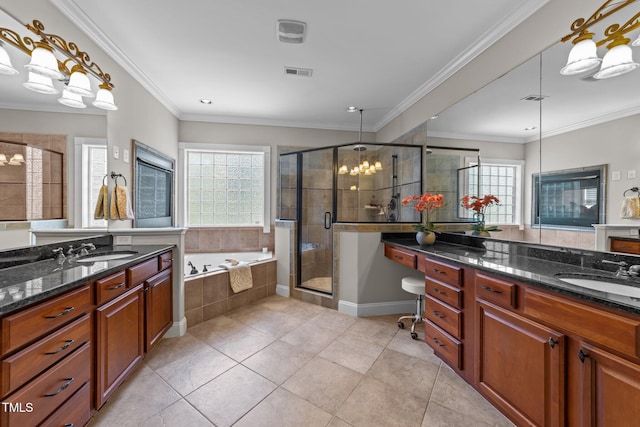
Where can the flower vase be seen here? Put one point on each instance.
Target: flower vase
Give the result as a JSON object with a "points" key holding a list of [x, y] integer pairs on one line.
{"points": [[426, 237], [481, 233]]}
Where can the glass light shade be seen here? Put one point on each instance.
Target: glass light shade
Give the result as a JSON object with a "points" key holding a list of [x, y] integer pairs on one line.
{"points": [[40, 84], [71, 99], [378, 165], [5, 63], [353, 188], [365, 164], [104, 100], [367, 172], [44, 63], [618, 60], [19, 158], [79, 84], [583, 57], [636, 42], [372, 169], [3, 159]]}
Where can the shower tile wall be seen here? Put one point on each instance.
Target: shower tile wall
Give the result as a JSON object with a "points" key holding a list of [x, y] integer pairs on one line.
{"points": [[287, 183], [442, 178]]}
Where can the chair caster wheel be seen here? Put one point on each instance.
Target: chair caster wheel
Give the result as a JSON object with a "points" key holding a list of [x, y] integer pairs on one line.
{"points": [[400, 325], [414, 335]]}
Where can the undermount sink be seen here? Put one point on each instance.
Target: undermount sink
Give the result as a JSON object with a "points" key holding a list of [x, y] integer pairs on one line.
{"points": [[106, 256], [604, 286]]}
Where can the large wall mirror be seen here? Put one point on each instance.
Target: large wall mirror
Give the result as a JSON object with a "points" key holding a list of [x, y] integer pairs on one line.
{"points": [[51, 137], [575, 137]]}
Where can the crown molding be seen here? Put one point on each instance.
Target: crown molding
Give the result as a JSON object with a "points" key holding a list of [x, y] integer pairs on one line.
{"points": [[76, 15], [51, 109], [487, 39]]}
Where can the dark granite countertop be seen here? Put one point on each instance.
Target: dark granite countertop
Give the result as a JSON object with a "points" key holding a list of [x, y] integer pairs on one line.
{"points": [[536, 265], [38, 279]]}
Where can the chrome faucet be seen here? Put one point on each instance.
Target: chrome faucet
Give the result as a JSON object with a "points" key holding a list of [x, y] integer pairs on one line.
{"points": [[81, 250], [59, 255], [624, 270], [194, 270]]}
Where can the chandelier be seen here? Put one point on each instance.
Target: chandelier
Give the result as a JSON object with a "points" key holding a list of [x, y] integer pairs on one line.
{"points": [[618, 59], [72, 70]]}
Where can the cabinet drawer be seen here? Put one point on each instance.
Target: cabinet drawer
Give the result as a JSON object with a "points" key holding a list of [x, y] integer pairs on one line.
{"points": [[625, 246], [51, 389], [110, 287], [448, 318], [597, 326], [165, 260], [26, 364], [74, 412], [445, 293], [445, 273], [496, 291], [27, 325], [401, 256], [141, 272], [448, 348]]}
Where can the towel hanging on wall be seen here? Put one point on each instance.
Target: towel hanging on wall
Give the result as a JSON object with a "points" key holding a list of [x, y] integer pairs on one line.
{"points": [[630, 208], [102, 206], [120, 204]]}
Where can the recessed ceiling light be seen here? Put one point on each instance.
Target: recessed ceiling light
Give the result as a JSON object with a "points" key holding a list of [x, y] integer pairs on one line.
{"points": [[530, 128], [435, 116], [351, 109], [205, 101]]}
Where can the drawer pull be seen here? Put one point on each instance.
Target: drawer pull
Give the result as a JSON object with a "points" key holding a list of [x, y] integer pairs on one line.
{"points": [[65, 346], [552, 342], [68, 382], [493, 291], [438, 315], [582, 355], [118, 286], [438, 291], [68, 425], [435, 270], [435, 340], [62, 313]]}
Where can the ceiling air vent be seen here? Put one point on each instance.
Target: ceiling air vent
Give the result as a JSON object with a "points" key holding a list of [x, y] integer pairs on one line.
{"points": [[302, 72], [291, 31], [534, 98]]}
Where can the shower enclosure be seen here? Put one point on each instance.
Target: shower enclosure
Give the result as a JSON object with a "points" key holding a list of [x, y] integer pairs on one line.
{"points": [[353, 183]]}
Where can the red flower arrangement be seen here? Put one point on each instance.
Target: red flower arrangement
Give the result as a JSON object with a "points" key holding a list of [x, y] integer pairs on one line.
{"points": [[479, 205], [425, 204]]}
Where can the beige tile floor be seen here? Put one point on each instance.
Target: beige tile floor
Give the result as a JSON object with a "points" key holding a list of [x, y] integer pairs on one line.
{"points": [[282, 362]]}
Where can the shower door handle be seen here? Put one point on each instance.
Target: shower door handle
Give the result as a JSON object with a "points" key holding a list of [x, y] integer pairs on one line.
{"points": [[327, 220]]}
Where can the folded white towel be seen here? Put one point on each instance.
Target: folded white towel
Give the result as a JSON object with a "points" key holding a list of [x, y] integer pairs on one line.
{"points": [[240, 276], [630, 208]]}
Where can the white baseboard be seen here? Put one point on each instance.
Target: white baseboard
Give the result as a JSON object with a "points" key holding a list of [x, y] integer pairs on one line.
{"points": [[178, 329], [282, 290], [376, 308]]}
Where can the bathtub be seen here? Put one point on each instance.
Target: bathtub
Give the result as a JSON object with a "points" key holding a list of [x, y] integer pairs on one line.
{"points": [[214, 259]]}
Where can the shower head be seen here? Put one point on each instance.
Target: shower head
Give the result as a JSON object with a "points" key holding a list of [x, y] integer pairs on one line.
{"points": [[360, 147]]}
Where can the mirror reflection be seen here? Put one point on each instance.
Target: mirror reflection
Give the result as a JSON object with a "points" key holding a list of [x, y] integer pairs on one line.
{"points": [[65, 157]]}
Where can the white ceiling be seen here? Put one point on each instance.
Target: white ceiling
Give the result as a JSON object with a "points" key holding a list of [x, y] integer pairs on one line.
{"points": [[378, 55]]}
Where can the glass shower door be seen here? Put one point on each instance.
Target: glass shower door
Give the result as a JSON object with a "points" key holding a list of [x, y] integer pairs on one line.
{"points": [[315, 219]]}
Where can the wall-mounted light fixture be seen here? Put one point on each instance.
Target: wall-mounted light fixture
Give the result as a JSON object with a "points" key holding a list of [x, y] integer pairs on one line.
{"points": [[619, 57], [45, 67]]}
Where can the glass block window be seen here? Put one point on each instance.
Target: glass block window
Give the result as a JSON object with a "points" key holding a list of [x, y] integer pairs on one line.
{"points": [[501, 180], [225, 188]]}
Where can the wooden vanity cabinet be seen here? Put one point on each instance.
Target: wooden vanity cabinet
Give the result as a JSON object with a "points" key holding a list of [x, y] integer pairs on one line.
{"points": [[158, 307], [120, 341], [627, 246], [520, 366]]}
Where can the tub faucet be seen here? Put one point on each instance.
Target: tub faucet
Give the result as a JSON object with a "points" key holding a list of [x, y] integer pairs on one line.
{"points": [[204, 268], [194, 270]]}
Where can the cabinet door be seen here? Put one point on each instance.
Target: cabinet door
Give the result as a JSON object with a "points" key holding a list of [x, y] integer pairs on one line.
{"points": [[159, 308], [521, 366], [609, 389], [120, 341]]}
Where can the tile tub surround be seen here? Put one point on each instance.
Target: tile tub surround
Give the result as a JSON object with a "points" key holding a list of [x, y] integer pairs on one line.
{"points": [[228, 239], [211, 296], [283, 362]]}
